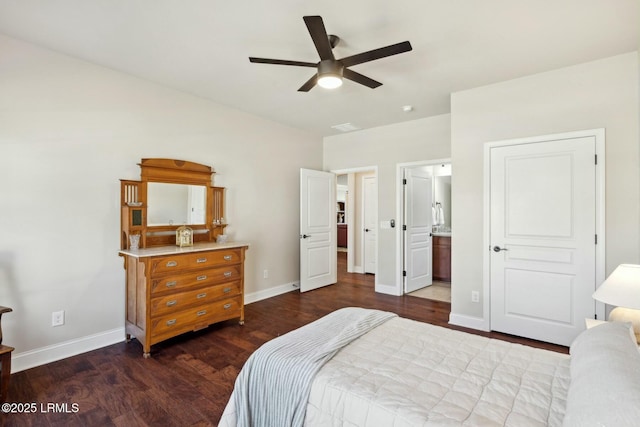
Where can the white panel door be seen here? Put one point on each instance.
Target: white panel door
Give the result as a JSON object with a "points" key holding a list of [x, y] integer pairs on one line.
{"points": [[370, 221], [418, 255], [318, 244], [543, 250]]}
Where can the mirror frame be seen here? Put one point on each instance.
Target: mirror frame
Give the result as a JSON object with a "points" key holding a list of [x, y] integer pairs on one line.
{"points": [[134, 202]]}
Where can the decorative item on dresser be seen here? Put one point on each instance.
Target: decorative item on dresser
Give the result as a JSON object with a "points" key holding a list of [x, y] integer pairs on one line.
{"points": [[178, 279]]}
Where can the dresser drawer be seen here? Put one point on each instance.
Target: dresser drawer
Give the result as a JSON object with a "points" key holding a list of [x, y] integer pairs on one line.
{"points": [[196, 317], [177, 301], [205, 259], [196, 278]]}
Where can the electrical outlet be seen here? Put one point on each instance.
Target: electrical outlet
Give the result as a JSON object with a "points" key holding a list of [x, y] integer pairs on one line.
{"points": [[265, 274], [475, 296], [57, 318]]}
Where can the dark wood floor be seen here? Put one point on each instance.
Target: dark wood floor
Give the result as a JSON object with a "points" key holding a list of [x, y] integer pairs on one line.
{"points": [[188, 380]]}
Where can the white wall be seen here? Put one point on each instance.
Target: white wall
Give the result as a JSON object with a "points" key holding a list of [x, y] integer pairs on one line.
{"points": [[599, 94], [385, 147], [69, 130]]}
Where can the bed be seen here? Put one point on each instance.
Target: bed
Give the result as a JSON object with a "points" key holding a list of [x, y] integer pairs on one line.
{"points": [[359, 367]]}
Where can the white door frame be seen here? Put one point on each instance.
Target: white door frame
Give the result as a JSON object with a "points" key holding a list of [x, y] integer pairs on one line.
{"points": [[399, 285], [599, 135], [351, 216]]}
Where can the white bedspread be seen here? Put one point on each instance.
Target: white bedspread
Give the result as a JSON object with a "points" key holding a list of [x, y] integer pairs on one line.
{"points": [[273, 386], [407, 373]]}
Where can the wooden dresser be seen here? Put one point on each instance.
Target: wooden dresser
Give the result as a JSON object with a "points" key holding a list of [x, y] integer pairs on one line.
{"points": [[178, 277], [172, 290]]}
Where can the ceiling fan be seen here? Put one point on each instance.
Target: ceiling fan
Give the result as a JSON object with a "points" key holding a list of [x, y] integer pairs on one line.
{"points": [[330, 70]]}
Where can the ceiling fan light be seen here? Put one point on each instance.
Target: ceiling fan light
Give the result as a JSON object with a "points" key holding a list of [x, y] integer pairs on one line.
{"points": [[329, 81], [330, 74]]}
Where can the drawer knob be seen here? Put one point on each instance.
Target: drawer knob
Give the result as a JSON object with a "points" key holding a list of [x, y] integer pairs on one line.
{"points": [[171, 303], [171, 322], [227, 274], [226, 306], [203, 277], [226, 290], [202, 295], [227, 257], [171, 284], [201, 312], [201, 260], [172, 263]]}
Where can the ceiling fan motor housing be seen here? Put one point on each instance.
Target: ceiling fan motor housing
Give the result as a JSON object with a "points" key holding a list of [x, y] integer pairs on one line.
{"points": [[330, 67]]}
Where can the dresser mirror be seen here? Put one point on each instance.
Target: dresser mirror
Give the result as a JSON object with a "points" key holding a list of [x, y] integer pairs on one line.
{"points": [[170, 193], [178, 204]]}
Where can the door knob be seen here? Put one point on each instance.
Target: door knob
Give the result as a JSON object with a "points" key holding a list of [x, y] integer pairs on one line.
{"points": [[366, 229], [498, 249], [304, 236]]}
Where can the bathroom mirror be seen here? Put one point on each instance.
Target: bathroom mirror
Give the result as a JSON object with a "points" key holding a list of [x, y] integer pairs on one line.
{"points": [[442, 195], [176, 204]]}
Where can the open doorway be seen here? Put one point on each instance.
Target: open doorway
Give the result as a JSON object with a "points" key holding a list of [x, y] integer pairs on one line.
{"points": [[356, 216], [425, 249]]}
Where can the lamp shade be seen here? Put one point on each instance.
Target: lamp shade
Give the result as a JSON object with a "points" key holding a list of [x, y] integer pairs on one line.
{"points": [[622, 287]]}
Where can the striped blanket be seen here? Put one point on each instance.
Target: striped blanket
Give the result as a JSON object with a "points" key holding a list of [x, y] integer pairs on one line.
{"points": [[273, 387]]}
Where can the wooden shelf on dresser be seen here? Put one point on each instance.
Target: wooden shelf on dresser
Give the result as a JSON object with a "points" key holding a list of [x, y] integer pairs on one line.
{"points": [[172, 290]]}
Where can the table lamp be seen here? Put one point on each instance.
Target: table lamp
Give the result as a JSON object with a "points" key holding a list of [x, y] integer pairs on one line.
{"points": [[622, 289]]}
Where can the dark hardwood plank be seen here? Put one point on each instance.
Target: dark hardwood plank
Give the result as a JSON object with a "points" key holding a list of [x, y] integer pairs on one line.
{"points": [[189, 379]]}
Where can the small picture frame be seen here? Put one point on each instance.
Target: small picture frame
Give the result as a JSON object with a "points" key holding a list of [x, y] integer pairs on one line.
{"points": [[184, 236]]}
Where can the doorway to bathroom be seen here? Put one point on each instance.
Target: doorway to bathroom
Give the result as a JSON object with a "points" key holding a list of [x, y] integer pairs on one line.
{"points": [[426, 229]]}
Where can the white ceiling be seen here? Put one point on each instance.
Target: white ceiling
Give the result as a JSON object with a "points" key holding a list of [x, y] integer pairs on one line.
{"points": [[202, 47]]}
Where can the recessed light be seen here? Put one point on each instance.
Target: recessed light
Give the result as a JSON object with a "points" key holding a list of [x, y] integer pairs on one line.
{"points": [[407, 108]]}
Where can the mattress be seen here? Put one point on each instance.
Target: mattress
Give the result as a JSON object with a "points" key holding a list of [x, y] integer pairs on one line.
{"points": [[407, 373]]}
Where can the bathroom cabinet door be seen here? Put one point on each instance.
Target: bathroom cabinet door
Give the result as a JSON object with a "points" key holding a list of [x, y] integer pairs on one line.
{"points": [[442, 258]]}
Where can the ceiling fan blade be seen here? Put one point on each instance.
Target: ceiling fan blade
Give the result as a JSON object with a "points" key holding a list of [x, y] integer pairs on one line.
{"points": [[309, 84], [282, 62], [318, 33], [374, 54], [359, 78]]}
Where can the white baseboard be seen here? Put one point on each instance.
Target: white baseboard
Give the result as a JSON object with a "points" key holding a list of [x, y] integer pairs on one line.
{"points": [[42, 356], [358, 269], [472, 322], [271, 292]]}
